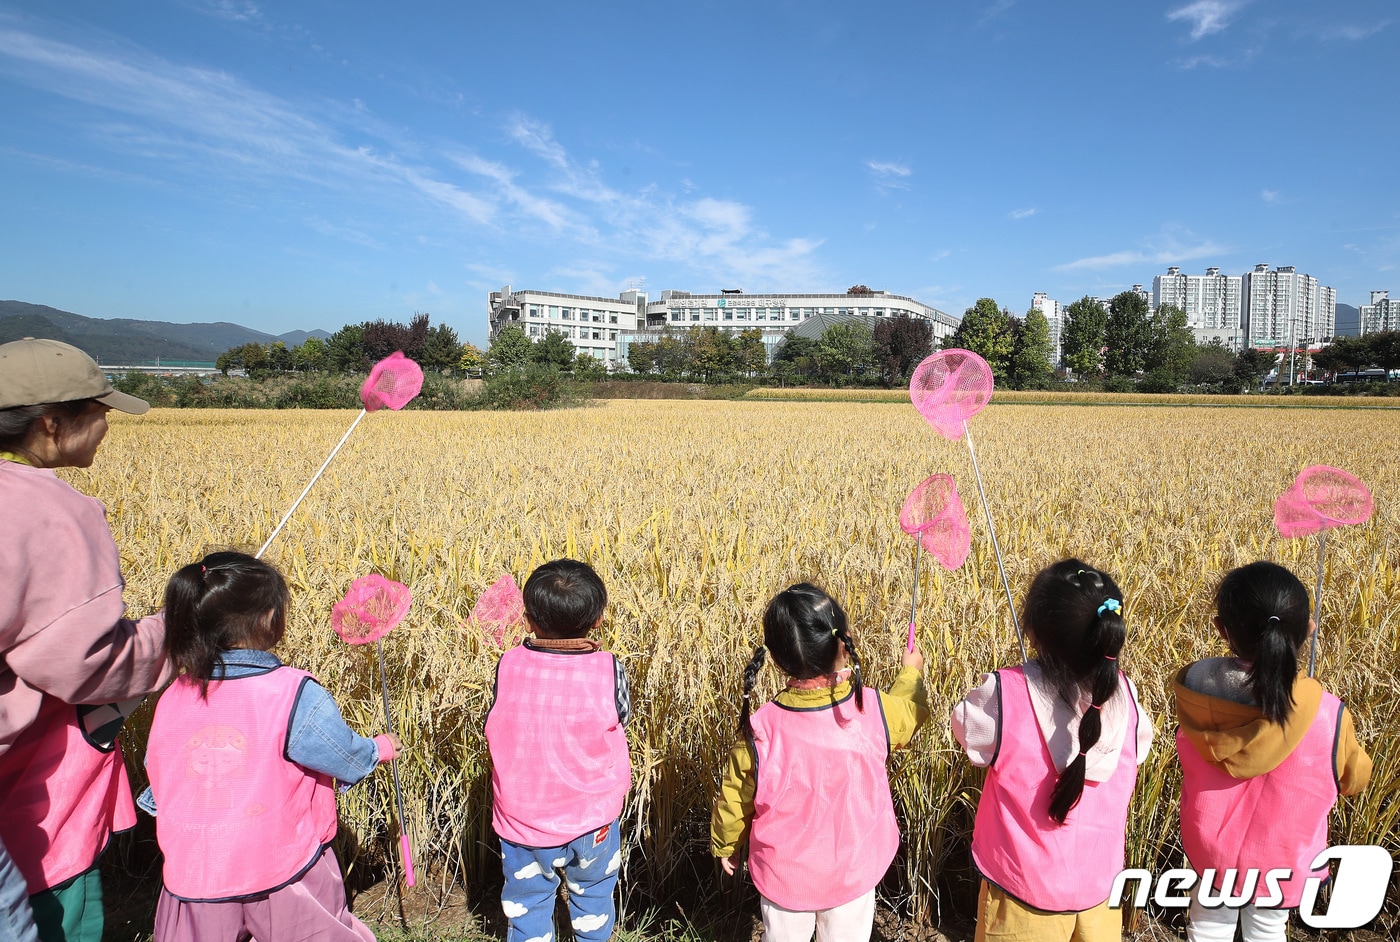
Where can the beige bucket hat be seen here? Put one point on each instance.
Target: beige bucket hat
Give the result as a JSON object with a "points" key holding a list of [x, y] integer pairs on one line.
{"points": [[37, 372]]}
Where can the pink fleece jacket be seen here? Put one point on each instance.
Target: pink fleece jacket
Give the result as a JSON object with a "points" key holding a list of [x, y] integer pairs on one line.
{"points": [[62, 633]]}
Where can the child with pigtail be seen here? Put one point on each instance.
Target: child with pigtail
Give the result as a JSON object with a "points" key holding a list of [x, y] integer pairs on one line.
{"points": [[805, 786], [1061, 737], [1265, 752]]}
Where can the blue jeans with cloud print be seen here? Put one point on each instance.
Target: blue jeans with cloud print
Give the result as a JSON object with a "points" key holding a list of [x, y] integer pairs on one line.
{"points": [[590, 864]]}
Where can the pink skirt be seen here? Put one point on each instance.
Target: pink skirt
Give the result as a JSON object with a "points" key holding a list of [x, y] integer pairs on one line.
{"points": [[312, 908]]}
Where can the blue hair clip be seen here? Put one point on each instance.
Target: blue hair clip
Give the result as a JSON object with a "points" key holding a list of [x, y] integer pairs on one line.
{"points": [[1110, 605]]}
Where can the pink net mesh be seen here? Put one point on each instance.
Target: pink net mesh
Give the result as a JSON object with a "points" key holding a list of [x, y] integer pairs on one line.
{"points": [[934, 513], [371, 609], [392, 383], [1322, 497], [950, 387], [500, 608]]}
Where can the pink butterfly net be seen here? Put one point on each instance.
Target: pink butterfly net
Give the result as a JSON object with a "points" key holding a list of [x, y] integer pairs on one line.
{"points": [[392, 383], [949, 387], [1321, 498], [371, 609], [934, 513], [500, 608]]}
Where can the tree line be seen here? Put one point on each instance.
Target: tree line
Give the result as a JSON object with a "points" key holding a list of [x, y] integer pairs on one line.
{"points": [[354, 348]]}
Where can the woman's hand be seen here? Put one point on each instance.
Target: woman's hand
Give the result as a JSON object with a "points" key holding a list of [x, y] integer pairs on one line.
{"points": [[914, 659], [728, 863]]}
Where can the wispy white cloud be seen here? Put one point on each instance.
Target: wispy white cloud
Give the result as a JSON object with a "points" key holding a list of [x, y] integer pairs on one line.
{"points": [[1348, 32], [1023, 213], [1206, 16], [889, 174], [994, 9], [1269, 196], [1166, 248], [207, 128]]}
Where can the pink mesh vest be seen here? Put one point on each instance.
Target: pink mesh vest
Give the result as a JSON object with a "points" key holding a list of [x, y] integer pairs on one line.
{"points": [[1271, 821], [824, 830], [1018, 846], [559, 761], [234, 817], [62, 798]]}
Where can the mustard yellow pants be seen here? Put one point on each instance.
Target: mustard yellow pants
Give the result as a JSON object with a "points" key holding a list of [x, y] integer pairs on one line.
{"points": [[1001, 918]]}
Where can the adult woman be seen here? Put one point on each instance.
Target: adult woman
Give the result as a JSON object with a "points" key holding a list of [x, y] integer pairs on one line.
{"points": [[66, 652]]}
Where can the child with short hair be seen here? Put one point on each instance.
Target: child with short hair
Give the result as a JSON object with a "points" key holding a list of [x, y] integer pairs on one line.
{"points": [[1061, 736], [1265, 751], [242, 758], [560, 764], [806, 785]]}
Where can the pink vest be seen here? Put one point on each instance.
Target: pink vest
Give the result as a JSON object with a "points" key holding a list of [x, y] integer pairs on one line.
{"points": [[1017, 846], [560, 766], [824, 830], [62, 797], [1271, 821], [234, 817]]}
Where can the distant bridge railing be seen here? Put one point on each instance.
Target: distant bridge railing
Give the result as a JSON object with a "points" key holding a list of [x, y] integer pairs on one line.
{"points": [[163, 368]]}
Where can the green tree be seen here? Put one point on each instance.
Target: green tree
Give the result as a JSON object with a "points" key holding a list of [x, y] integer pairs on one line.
{"points": [[845, 350], [553, 349], [310, 356], [1030, 366], [510, 349], [280, 358], [441, 349], [672, 356], [711, 353], [586, 366], [1212, 364], [1173, 347], [1082, 337], [1385, 349], [1345, 354], [641, 356], [986, 331], [795, 359], [1127, 334], [1250, 367], [345, 350], [750, 356]]}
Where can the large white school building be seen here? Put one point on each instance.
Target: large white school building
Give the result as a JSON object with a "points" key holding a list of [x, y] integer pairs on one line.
{"points": [[603, 327]]}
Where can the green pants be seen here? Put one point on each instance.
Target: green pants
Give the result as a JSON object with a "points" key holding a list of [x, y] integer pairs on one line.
{"points": [[71, 911]]}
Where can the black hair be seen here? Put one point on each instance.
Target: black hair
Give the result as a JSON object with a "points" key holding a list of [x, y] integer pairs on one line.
{"points": [[220, 603], [564, 599], [804, 629], [18, 421], [1071, 616], [1264, 611]]}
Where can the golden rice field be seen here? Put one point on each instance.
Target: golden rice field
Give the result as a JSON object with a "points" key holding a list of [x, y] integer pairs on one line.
{"points": [[695, 514]]}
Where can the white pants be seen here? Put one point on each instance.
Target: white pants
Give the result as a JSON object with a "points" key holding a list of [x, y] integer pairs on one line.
{"points": [[849, 922], [1218, 924]]}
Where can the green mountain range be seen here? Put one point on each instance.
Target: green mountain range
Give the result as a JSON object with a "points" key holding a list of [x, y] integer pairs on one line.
{"points": [[127, 341]]}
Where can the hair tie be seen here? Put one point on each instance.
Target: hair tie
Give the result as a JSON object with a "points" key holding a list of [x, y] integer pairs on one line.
{"points": [[836, 631], [1112, 605], [1109, 657], [1083, 753], [1095, 706], [1274, 619]]}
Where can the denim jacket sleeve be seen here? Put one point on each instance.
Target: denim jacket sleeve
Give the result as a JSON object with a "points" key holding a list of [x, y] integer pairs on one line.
{"points": [[320, 741]]}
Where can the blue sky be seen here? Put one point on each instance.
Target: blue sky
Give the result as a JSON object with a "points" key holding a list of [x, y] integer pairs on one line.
{"points": [[302, 165]]}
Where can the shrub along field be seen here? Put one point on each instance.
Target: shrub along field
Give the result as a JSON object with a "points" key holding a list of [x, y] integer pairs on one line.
{"points": [[695, 514]]}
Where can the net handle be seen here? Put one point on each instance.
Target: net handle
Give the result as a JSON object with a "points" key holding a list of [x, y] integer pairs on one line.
{"points": [[914, 604], [1317, 600], [404, 849], [996, 547], [307, 490]]}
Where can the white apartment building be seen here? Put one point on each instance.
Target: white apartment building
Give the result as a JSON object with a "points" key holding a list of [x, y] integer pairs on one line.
{"points": [[592, 325], [1138, 290], [1212, 302], [1381, 314], [602, 327], [1054, 316], [1285, 308]]}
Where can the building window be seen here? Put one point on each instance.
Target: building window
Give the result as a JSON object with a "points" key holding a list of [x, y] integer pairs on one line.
{"points": [[612, 319], [676, 315], [597, 317], [567, 314], [728, 314], [554, 312], [695, 315], [534, 330]]}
